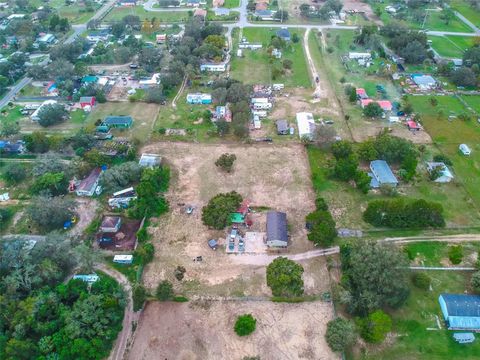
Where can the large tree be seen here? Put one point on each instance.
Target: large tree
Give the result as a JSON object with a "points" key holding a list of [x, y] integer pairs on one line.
{"points": [[340, 334], [216, 213], [375, 276], [119, 177], [52, 114], [50, 212], [284, 277]]}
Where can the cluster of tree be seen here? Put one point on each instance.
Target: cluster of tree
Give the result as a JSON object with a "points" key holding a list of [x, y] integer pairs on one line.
{"points": [[128, 23], [321, 225], [44, 318], [324, 12], [369, 37], [401, 213], [216, 213], [346, 166], [225, 162], [58, 24], [468, 74], [284, 277], [150, 199], [52, 114], [12, 69], [119, 177], [237, 95], [409, 44], [393, 150]]}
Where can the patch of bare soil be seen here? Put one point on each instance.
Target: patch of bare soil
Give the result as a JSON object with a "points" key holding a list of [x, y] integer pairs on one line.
{"points": [[271, 176], [372, 128], [204, 330]]}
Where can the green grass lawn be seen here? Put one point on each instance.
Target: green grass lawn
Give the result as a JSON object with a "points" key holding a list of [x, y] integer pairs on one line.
{"points": [[129, 270], [230, 4], [436, 253], [412, 339], [466, 10], [473, 101], [451, 46], [434, 22], [118, 13], [255, 67]]}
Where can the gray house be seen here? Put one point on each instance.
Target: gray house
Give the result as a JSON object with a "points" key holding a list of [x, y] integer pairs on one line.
{"points": [[277, 232]]}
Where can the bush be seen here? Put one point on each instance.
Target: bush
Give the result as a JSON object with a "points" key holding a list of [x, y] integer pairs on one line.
{"points": [[455, 254], [145, 252], [179, 273], [139, 295], [164, 291], [475, 282], [14, 173], [375, 327], [421, 280], [322, 228], [340, 334], [245, 325], [225, 162], [443, 158], [180, 299]]}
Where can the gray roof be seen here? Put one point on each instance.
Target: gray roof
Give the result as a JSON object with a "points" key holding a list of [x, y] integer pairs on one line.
{"points": [[283, 33], [382, 172], [462, 305], [282, 125], [277, 226], [118, 120]]}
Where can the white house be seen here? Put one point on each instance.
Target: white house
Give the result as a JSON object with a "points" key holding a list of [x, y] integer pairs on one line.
{"points": [[153, 81], [34, 116], [260, 100], [88, 185], [445, 173], [359, 55], [305, 124], [257, 123], [123, 259], [221, 67], [247, 45]]}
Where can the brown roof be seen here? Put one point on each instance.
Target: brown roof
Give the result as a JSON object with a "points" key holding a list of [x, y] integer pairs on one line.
{"points": [[87, 183], [217, 3], [261, 6], [110, 221], [200, 12]]}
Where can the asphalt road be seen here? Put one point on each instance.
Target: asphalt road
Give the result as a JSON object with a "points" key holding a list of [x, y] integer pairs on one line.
{"points": [[14, 90]]}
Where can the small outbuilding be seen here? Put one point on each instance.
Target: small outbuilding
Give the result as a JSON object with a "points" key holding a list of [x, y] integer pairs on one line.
{"points": [[111, 224], [150, 160], [461, 311], [277, 231], [123, 259], [282, 127], [381, 174], [87, 101], [464, 338]]}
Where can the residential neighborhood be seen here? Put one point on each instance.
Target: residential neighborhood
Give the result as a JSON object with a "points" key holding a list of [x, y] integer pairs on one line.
{"points": [[239, 179]]}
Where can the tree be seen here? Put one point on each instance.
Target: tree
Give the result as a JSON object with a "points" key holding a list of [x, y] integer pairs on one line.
{"points": [[284, 277], [37, 142], [324, 136], [86, 257], [219, 95], [372, 110], [322, 228], [215, 40], [139, 295], [9, 128], [95, 158], [50, 212], [421, 280], [375, 327], [342, 149], [295, 38], [225, 162], [54, 183], [375, 276], [121, 176], [49, 163], [346, 168], [363, 181], [287, 64], [179, 273], [155, 95], [164, 291], [14, 173], [340, 334], [51, 114], [216, 213], [281, 15], [414, 52], [455, 254], [245, 325], [475, 282], [463, 77]]}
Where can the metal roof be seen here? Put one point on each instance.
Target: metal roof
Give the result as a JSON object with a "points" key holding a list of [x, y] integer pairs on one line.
{"points": [[118, 120], [277, 226], [462, 305], [382, 172]]}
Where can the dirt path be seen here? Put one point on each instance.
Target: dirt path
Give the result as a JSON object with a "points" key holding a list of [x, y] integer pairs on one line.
{"points": [[180, 91], [319, 92], [442, 238], [86, 210]]}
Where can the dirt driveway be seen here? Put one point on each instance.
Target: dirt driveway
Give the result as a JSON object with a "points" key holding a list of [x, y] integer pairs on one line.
{"points": [[270, 176], [204, 330]]}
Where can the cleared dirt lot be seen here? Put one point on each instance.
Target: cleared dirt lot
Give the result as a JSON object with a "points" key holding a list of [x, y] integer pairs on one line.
{"points": [[197, 331], [275, 177]]}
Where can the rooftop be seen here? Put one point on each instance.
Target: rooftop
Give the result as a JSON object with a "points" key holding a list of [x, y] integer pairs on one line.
{"points": [[277, 226], [382, 172], [87, 183], [462, 305]]}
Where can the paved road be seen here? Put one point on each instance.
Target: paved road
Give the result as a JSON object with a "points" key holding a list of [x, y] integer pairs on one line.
{"points": [[442, 268], [14, 90], [467, 22]]}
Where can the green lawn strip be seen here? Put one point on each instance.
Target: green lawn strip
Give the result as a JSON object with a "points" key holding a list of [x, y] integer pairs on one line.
{"points": [[230, 4], [412, 339], [436, 253], [119, 13], [466, 10], [451, 46], [473, 101]]}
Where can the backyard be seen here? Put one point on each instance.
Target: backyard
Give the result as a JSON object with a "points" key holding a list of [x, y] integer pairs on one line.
{"points": [[451, 46], [118, 13], [466, 10]]}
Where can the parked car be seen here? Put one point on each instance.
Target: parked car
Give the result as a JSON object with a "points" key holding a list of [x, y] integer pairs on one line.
{"points": [[231, 245], [233, 233]]}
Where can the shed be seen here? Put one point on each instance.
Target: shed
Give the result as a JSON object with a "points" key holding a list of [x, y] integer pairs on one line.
{"points": [[237, 218], [90, 278], [277, 232], [88, 185], [87, 101], [464, 338], [445, 173], [284, 34], [381, 174], [110, 224], [150, 160], [361, 93], [461, 311], [465, 150], [282, 127], [221, 11], [118, 121], [89, 79], [123, 259]]}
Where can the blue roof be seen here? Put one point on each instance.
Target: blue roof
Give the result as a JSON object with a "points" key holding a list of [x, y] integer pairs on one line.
{"points": [[118, 120], [283, 33], [382, 172], [461, 311]]}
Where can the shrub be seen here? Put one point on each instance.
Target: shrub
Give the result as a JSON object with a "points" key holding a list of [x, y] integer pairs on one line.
{"points": [[139, 295], [164, 291], [340, 334], [245, 325], [180, 273], [145, 252], [421, 280], [475, 282], [455, 254], [375, 327], [443, 158], [225, 162], [180, 299], [14, 173]]}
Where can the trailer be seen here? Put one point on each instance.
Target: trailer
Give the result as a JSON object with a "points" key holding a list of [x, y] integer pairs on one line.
{"points": [[262, 106], [123, 259]]}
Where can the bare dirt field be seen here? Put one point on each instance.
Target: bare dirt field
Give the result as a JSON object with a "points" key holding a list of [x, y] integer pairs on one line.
{"points": [[364, 129], [273, 177], [204, 330]]}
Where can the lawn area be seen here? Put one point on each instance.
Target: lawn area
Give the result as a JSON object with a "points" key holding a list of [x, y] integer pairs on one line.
{"points": [[143, 115], [473, 101], [435, 22], [230, 4], [447, 135], [436, 253], [451, 46], [256, 66], [118, 13], [410, 323], [11, 114], [466, 10]]}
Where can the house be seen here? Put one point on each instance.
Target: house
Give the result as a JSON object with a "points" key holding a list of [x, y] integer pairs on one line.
{"points": [[261, 6], [464, 338], [87, 101], [16, 16], [365, 102], [282, 127], [257, 123], [161, 38], [359, 55], [110, 224], [250, 46], [278, 87], [199, 98], [98, 35], [88, 185], [91, 278], [46, 39], [445, 175], [413, 126], [260, 100], [284, 34], [381, 174], [8, 147], [150, 160], [89, 80], [361, 93], [424, 82], [124, 122], [385, 105], [127, 3], [218, 3], [193, 3], [262, 106], [34, 116], [460, 311], [305, 124], [123, 259], [122, 198], [200, 13], [221, 67], [259, 113], [153, 81], [220, 11], [277, 231], [464, 149], [265, 15]]}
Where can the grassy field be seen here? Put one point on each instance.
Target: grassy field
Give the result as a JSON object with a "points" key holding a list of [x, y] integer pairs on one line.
{"points": [[412, 339], [436, 253], [143, 115], [451, 46], [256, 66], [230, 4], [473, 101], [466, 10], [119, 13]]}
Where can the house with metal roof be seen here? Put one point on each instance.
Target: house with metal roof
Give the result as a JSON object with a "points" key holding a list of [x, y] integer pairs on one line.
{"points": [[381, 174], [150, 160], [424, 82], [305, 124], [118, 121], [88, 185], [277, 231], [460, 311]]}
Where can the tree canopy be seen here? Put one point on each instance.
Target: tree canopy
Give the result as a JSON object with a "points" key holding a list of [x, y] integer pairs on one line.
{"points": [[284, 277], [216, 213]]}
